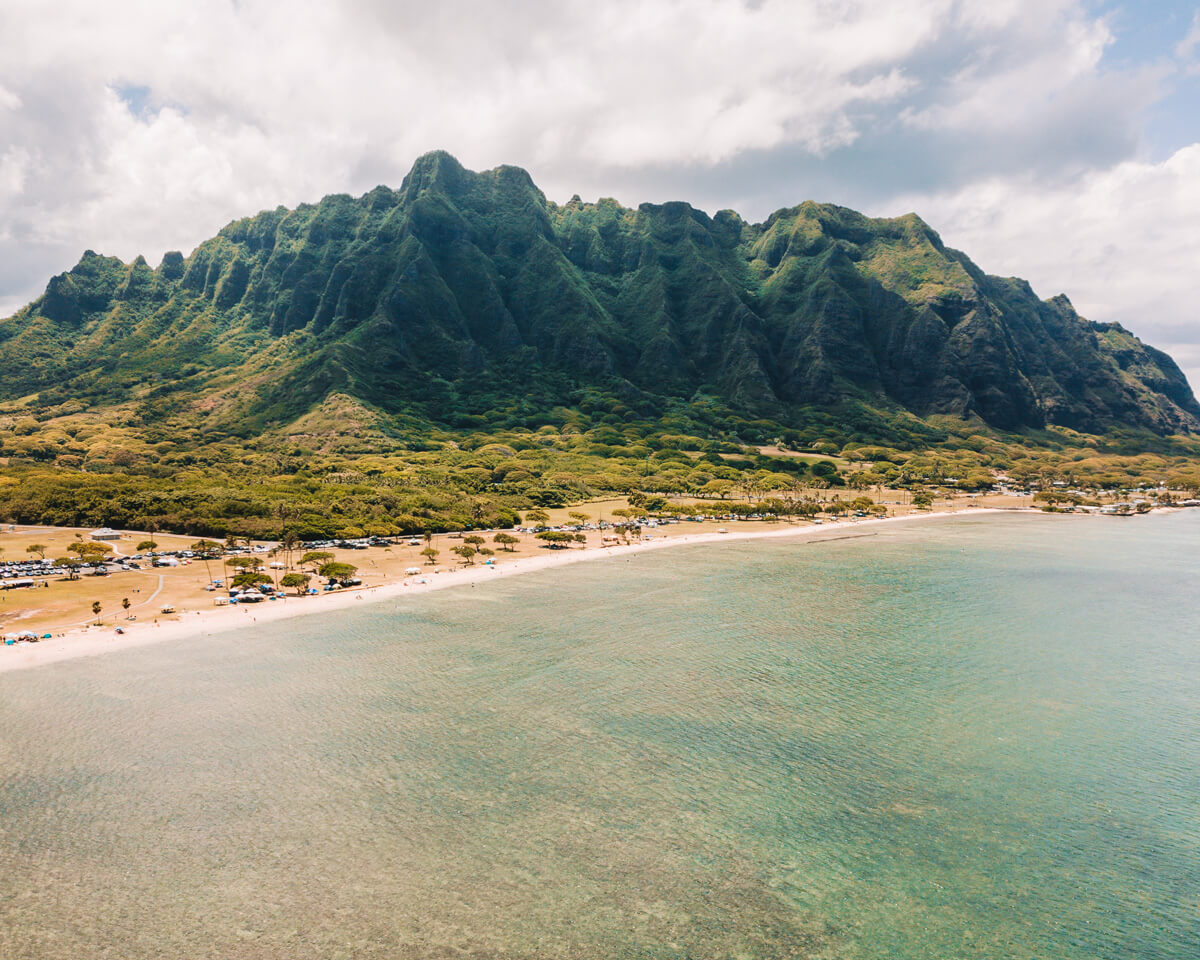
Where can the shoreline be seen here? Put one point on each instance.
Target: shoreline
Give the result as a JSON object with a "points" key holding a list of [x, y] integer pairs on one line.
{"points": [[88, 642]]}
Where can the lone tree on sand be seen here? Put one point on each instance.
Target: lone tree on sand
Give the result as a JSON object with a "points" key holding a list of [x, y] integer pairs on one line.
{"points": [[315, 558], [38, 548], [96, 607], [246, 564], [430, 555], [249, 579], [90, 549], [506, 540], [297, 581], [124, 603], [338, 571]]}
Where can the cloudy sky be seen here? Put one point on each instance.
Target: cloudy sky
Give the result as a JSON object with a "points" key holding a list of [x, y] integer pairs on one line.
{"points": [[1058, 140]]}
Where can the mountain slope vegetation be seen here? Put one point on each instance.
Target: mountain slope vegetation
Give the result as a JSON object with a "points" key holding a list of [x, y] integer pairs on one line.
{"points": [[465, 306]]}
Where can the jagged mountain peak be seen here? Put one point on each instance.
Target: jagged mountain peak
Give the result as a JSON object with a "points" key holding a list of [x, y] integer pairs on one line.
{"points": [[424, 298]]}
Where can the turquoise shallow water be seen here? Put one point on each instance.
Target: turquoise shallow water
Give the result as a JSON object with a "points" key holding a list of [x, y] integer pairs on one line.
{"points": [[975, 739]]}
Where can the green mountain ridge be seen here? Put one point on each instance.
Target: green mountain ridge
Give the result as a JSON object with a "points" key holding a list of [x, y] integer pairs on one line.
{"points": [[466, 299]]}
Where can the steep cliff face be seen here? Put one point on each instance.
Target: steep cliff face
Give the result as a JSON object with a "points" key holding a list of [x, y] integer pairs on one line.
{"points": [[401, 297]]}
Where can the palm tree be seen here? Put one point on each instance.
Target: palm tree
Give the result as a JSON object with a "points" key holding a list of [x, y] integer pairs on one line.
{"points": [[206, 548], [231, 543], [283, 513], [289, 543]]}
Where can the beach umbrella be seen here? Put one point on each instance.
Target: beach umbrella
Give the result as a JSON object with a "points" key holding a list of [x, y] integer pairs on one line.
{"points": [[46, 636]]}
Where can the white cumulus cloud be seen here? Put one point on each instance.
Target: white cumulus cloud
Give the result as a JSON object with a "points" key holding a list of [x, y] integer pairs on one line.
{"points": [[139, 126]]}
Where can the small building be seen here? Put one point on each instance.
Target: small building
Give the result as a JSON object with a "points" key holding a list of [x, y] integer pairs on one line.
{"points": [[105, 533]]}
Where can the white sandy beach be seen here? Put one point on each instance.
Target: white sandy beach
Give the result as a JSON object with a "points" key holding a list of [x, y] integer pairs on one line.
{"points": [[87, 642]]}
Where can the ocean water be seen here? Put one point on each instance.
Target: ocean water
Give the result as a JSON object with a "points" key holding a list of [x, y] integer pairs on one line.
{"points": [[975, 738]]}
